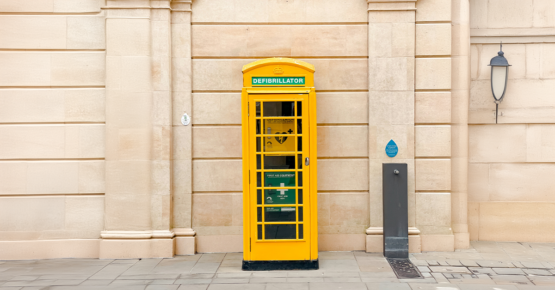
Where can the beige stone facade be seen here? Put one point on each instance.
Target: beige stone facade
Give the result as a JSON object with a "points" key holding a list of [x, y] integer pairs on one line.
{"points": [[95, 163]]}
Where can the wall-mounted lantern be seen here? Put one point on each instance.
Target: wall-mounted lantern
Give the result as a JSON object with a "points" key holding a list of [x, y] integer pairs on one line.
{"points": [[499, 76]]}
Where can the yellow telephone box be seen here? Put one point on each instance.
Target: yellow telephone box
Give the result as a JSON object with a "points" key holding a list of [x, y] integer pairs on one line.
{"points": [[279, 165]]}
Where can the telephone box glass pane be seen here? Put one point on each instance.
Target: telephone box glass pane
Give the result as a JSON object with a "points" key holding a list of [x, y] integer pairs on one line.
{"points": [[299, 126], [260, 232], [259, 214], [258, 144], [258, 127], [259, 196], [300, 213], [279, 214], [259, 179], [258, 109], [299, 109], [279, 109], [299, 144], [279, 162], [300, 178], [280, 232], [258, 162], [300, 161], [300, 196], [301, 232]]}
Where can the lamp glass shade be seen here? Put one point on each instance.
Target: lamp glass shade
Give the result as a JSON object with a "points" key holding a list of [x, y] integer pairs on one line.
{"points": [[499, 81]]}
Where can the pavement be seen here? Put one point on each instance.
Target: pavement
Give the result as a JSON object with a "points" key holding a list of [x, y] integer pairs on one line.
{"points": [[485, 266]]}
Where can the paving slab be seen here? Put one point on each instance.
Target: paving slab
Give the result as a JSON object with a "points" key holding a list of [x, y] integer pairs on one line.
{"points": [[494, 264], [236, 287], [537, 272], [162, 287], [486, 287], [388, 286], [193, 287], [442, 269], [262, 280], [339, 265], [287, 286], [508, 271], [543, 280], [415, 286], [338, 286], [511, 279]]}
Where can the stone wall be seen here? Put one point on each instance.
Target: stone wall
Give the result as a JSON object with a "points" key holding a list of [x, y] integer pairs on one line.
{"points": [[52, 78], [511, 167]]}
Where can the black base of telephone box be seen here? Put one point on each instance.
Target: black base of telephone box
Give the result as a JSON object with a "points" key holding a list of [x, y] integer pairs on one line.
{"points": [[280, 265]]}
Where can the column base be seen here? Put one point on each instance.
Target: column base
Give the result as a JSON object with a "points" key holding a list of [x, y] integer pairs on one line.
{"points": [[185, 246], [136, 248], [462, 240]]}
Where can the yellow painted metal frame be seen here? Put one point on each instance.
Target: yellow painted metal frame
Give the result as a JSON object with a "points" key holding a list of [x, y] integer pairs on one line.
{"points": [[279, 67]]}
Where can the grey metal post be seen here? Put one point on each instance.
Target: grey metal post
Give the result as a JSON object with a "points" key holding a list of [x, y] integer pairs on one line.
{"points": [[395, 210]]}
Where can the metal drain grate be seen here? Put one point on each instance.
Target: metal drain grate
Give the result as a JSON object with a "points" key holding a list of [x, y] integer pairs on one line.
{"points": [[404, 269]]}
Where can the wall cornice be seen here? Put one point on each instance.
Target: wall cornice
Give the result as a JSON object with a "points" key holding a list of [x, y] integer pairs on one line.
{"points": [[391, 5]]}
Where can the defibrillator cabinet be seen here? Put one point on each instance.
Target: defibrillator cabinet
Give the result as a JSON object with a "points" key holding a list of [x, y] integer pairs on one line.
{"points": [[279, 165]]}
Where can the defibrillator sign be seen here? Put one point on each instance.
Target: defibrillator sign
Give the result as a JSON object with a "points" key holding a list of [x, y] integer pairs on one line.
{"points": [[278, 81]]}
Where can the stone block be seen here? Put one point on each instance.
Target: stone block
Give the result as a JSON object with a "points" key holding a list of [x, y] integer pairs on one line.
{"points": [[338, 108], [78, 69], [391, 108], [228, 172], [33, 32], [521, 182], [32, 213], [510, 13], [219, 244], [342, 141], [387, 74], [432, 107], [185, 246], [433, 73], [128, 37], [544, 13], [276, 11], [516, 106], [50, 249], [136, 248], [433, 10], [433, 39], [433, 174], [438, 243], [341, 242], [86, 32], [212, 142], [540, 143], [433, 209], [391, 39], [212, 210], [294, 40], [77, 5], [27, 6], [348, 209], [25, 69], [215, 109], [52, 177], [499, 221], [343, 174], [479, 188], [497, 143], [548, 61], [91, 176], [85, 215], [432, 141]]}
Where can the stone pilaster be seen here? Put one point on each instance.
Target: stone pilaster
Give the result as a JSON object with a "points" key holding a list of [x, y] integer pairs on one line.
{"points": [[459, 132], [182, 135], [138, 132], [391, 63]]}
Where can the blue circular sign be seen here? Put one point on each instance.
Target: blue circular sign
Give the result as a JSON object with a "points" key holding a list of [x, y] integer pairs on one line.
{"points": [[391, 149]]}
